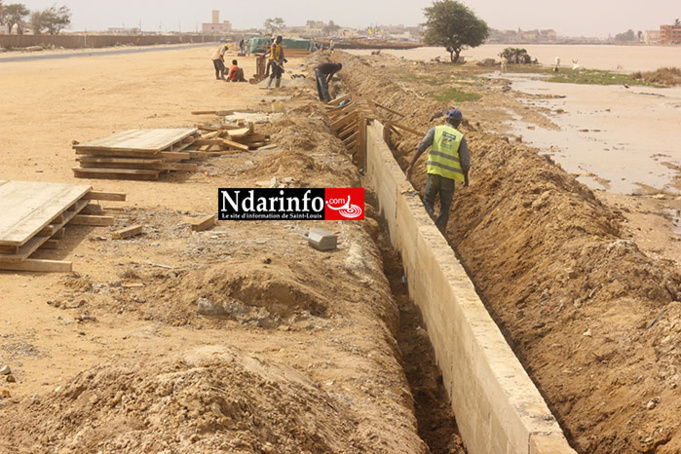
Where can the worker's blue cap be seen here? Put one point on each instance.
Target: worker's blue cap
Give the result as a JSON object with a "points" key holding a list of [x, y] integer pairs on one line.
{"points": [[455, 115]]}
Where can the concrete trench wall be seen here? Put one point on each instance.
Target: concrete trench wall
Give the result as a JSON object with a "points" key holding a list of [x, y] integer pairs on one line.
{"points": [[498, 408]]}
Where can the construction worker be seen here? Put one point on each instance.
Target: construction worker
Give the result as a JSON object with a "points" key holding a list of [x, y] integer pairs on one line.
{"points": [[278, 60], [219, 61], [235, 73], [448, 162], [323, 74]]}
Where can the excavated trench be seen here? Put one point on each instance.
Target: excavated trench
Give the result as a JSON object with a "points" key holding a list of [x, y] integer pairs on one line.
{"points": [[572, 293], [436, 421]]}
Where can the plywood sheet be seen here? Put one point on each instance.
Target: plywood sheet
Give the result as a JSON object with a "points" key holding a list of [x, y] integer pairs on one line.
{"points": [[27, 207], [152, 140]]}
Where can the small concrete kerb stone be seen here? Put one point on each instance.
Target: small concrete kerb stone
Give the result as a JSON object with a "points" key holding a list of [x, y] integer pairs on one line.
{"points": [[322, 240]]}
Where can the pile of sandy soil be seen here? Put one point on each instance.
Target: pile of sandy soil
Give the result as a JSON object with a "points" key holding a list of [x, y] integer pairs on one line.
{"points": [[213, 399], [594, 320]]}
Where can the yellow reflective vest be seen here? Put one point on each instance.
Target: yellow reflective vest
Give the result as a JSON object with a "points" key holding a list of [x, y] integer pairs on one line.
{"points": [[444, 158]]}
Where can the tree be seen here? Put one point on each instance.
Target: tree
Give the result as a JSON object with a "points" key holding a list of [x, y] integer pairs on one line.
{"points": [[627, 36], [14, 15], [274, 25], [331, 28], [52, 20], [454, 26], [516, 55]]}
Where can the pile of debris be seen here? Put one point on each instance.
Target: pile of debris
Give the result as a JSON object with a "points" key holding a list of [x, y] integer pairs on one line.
{"points": [[223, 139]]}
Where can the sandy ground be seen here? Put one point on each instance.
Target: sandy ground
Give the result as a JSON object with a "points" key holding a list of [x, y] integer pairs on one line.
{"points": [[305, 353], [240, 338]]}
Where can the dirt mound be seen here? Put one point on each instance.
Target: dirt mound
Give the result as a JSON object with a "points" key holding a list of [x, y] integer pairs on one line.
{"points": [[572, 292], [311, 152], [250, 293], [214, 399]]}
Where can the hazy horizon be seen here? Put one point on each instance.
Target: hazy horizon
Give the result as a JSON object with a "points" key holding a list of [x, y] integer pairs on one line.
{"points": [[577, 18]]}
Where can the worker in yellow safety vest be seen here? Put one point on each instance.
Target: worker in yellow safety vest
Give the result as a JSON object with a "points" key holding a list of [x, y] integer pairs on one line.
{"points": [[448, 161]]}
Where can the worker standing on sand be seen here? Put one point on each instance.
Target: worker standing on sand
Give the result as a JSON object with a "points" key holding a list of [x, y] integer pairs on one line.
{"points": [[278, 60], [323, 74], [219, 61], [448, 161]]}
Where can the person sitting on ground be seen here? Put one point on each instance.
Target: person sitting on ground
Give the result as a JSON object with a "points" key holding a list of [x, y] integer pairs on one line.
{"points": [[323, 74], [219, 61], [236, 74]]}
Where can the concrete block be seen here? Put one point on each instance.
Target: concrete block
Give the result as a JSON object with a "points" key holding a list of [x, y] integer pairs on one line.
{"points": [[553, 443], [322, 240]]}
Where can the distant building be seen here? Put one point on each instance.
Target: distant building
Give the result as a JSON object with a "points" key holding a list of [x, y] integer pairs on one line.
{"points": [[651, 36], [123, 31], [216, 26], [670, 34]]}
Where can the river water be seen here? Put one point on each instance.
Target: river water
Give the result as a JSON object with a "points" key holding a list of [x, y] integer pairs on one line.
{"points": [[616, 138], [611, 58]]}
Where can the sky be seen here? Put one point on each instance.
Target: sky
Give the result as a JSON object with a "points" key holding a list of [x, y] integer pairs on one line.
{"points": [[593, 18]]}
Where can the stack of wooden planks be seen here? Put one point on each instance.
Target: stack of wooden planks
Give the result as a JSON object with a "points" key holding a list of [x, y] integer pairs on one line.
{"points": [[138, 154], [219, 140], [349, 116], [35, 214]]}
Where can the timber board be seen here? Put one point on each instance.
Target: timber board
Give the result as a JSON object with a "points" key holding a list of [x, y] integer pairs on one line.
{"points": [[28, 207], [149, 140]]}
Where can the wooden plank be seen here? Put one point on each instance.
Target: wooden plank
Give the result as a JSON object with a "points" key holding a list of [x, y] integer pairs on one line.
{"points": [[237, 145], [198, 155], [180, 166], [176, 156], [338, 124], [256, 145], [387, 108], [127, 232], [213, 141], [27, 207], [50, 244], [116, 174], [117, 160], [108, 196], [253, 137], [351, 138], [139, 140], [348, 130], [92, 209], [362, 143], [118, 153], [202, 223], [406, 128], [242, 132], [98, 221], [39, 266], [59, 234], [5, 249]]}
